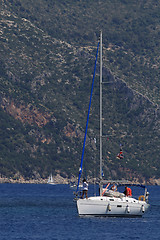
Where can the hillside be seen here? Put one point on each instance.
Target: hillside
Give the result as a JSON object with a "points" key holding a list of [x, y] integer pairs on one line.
{"points": [[47, 59]]}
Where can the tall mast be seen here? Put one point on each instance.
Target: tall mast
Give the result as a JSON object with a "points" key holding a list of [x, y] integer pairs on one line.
{"points": [[100, 106]]}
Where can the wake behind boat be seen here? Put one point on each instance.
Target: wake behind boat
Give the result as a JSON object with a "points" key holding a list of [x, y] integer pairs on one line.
{"points": [[109, 203]]}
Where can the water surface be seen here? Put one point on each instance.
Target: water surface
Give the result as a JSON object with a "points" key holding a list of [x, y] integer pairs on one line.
{"points": [[47, 212]]}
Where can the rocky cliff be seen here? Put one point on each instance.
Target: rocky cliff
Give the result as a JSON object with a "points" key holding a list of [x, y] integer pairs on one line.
{"points": [[46, 66]]}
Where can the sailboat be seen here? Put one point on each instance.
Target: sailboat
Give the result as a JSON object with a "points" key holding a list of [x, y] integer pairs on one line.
{"points": [[109, 202], [50, 180]]}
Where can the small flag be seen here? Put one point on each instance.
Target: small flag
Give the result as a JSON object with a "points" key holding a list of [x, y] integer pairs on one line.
{"points": [[120, 154]]}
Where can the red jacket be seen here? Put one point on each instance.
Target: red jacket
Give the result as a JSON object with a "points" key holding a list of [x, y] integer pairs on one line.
{"points": [[129, 192]]}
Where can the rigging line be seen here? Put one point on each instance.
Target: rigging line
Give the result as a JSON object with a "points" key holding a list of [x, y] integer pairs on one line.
{"points": [[80, 169]]}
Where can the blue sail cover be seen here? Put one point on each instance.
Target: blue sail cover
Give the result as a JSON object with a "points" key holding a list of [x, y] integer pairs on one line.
{"points": [[80, 169]]}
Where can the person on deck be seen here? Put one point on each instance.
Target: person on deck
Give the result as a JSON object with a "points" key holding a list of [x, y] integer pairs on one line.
{"points": [[85, 189], [128, 191], [114, 187]]}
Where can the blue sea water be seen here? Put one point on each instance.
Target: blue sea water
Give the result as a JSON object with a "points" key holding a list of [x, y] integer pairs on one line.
{"points": [[47, 212]]}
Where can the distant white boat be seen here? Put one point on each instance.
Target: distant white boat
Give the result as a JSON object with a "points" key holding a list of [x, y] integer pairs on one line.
{"points": [[50, 180], [74, 186]]}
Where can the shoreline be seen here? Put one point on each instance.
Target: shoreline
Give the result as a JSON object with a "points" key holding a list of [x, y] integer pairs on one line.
{"points": [[61, 180], [58, 180]]}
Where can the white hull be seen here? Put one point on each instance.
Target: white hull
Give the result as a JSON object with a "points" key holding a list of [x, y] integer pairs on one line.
{"points": [[111, 206]]}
